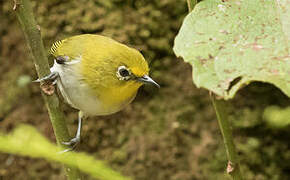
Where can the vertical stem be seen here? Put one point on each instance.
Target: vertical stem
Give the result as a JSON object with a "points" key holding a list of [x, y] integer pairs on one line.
{"points": [[220, 106], [32, 35], [191, 4], [233, 167]]}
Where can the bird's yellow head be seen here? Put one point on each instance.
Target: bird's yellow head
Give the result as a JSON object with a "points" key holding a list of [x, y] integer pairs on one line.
{"points": [[133, 68]]}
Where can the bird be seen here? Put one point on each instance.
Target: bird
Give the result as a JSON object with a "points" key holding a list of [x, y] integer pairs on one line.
{"points": [[96, 75]]}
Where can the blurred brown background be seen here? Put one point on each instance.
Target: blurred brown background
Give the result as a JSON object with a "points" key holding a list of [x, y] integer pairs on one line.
{"points": [[165, 134]]}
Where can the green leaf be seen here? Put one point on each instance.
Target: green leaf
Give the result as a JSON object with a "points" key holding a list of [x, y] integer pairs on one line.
{"points": [[230, 44], [26, 141]]}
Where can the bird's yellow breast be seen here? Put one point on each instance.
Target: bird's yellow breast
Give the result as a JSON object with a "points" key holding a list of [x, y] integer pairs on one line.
{"points": [[117, 97]]}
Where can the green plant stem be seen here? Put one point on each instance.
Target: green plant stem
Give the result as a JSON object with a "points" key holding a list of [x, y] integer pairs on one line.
{"points": [[32, 35], [220, 107], [191, 4]]}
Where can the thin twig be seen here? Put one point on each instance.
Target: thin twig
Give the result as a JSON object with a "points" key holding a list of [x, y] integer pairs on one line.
{"points": [[233, 167], [32, 35], [191, 4]]}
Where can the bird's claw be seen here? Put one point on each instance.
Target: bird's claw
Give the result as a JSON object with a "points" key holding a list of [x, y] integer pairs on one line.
{"points": [[51, 78], [47, 83], [73, 142]]}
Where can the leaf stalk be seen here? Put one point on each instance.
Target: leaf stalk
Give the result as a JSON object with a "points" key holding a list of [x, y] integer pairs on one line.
{"points": [[191, 4], [233, 167]]}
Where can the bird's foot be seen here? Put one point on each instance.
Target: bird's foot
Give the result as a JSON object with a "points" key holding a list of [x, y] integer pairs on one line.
{"points": [[72, 144], [47, 83], [51, 78], [76, 140]]}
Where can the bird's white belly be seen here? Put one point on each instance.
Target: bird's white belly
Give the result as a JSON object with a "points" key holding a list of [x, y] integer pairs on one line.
{"points": [[76, 92]]}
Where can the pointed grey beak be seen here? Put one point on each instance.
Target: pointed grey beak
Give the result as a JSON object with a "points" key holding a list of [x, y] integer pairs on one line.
{"points": [[147, 80]]}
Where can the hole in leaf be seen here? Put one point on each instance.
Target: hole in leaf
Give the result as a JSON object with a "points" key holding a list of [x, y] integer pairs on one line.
{"points": [[234, 82]]}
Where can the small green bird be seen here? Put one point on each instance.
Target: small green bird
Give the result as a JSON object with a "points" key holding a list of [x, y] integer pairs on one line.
{"points": [[96, 75]]}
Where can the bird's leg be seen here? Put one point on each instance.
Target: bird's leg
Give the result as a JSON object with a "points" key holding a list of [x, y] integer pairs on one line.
{"points": [[74, 141]]}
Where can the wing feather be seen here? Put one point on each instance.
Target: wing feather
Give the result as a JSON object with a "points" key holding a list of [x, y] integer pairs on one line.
{"points": [[55, 46]]}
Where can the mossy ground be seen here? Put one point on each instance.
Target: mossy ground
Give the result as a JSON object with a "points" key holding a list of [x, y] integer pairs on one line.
{"points": [[170, 133]]}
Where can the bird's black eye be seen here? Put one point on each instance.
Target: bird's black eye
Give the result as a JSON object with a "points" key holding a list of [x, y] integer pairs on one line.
{"points": [[124, 72]]}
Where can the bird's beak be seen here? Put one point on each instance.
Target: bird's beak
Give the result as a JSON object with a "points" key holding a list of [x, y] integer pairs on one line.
{"points": [[147, 80]]}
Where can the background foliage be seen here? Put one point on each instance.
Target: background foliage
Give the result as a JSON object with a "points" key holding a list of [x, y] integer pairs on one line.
{"points": [[26, 141], [169, 133]]}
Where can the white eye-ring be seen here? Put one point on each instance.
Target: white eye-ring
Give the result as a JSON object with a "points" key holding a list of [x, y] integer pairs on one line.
{"points": [[123, 73]]}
